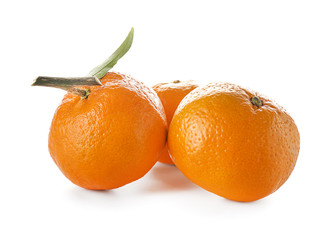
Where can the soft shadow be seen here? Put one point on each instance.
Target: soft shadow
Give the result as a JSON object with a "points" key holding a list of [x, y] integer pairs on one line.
{"points": [[91, 195], [236, 203], [165, 177]]}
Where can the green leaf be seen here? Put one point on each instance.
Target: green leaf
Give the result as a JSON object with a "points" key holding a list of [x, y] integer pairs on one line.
{"points": [[103, 68]]}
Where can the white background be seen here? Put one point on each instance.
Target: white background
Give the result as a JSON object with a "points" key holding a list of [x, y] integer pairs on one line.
{"points": [[280, 48]]}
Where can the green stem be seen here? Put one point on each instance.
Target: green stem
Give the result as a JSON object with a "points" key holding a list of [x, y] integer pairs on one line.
{"points": [[68, 84], [103, 68]]}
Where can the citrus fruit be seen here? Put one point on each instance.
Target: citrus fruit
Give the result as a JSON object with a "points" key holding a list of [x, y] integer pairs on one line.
{"points": [[171, 95], [108, 132], [233, 142], [111, 138]]}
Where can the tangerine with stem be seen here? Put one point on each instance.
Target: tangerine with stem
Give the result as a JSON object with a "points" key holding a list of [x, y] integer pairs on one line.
{"points": [[106, 133]]}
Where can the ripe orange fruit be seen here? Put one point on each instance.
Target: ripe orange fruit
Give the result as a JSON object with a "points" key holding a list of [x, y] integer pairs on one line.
{"points": [[112, 137], [171, 95], [233, 142]]}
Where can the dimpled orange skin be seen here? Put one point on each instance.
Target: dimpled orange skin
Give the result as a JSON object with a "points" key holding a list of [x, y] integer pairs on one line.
{"points": [[111, 138], [171, 95], [228, 146]]}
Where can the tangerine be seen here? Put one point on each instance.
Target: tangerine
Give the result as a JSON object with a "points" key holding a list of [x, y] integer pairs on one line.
{"points": [[112, 137], [171, 95], [233, 142]]}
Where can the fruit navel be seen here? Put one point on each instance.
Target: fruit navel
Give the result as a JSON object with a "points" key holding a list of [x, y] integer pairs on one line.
{"points": [[256, 101]]}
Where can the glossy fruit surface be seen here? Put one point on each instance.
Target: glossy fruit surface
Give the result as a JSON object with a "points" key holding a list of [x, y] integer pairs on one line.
{"points": [[111, 138], [233, 142], [171, 95]]}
